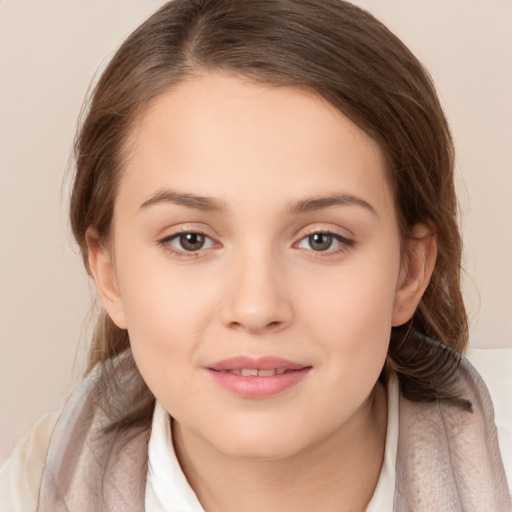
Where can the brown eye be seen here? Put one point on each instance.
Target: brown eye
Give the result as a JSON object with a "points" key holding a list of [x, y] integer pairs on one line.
{"points": [[320, 241], [187, 243], [325, 241], [192, 241]]}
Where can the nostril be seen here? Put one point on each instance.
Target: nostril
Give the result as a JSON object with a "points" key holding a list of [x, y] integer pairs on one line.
{"points": [[271, 326]]}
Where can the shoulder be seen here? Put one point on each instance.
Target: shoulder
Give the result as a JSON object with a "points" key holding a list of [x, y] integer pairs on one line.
{"points": [[495, 367], [41, 461], [20, 474], [448, 450]]}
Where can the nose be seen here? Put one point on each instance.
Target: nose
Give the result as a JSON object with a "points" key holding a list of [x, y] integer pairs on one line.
{"points": [[256, 297]]}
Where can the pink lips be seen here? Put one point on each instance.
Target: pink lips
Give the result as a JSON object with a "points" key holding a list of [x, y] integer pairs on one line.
{"points": [[257, 378]]}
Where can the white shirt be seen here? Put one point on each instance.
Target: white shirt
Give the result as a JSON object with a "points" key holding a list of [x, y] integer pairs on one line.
{"points": [[167, 489]]}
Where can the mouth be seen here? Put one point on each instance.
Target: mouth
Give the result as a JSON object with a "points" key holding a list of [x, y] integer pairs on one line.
{"points": [[259, 364], [257, 378], [253, 372]]}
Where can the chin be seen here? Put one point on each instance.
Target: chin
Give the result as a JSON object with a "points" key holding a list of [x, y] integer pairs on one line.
{"points": [[260, 445]]}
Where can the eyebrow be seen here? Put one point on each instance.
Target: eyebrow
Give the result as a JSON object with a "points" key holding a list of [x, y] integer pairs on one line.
{"points": [[210, 204], [206, 204], [318, 203]]}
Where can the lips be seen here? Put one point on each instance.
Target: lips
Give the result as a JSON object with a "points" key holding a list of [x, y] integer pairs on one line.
{"points": [[257, 378]]}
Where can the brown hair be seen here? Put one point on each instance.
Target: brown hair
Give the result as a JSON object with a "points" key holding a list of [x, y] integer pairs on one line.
{"points": [[329, 48]]}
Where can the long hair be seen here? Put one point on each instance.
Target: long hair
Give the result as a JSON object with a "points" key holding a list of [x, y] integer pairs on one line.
{"points": [[329, 48]]}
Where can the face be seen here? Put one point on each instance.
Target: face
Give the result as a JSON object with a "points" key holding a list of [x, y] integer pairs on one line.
{"points": [[255, 261]]}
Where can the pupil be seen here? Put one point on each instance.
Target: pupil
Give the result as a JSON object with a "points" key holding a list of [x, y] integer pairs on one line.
{"points": [[192, 241], [320, 241]]}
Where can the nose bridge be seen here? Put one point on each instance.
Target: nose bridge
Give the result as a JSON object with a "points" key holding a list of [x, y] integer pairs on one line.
{"points": [[257, 298]]}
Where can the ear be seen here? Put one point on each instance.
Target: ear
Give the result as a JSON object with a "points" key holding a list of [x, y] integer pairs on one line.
{"points": [[102, 266], [417, 267]]}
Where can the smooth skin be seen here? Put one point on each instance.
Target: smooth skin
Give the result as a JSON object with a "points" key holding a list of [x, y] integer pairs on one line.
{"points": [[292, 250]]}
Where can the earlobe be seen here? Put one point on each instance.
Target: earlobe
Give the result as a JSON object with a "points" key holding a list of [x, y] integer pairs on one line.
{"points": [[417, 267], [101, 263]]}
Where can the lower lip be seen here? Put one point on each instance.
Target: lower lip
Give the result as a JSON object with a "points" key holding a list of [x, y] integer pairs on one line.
{"points": [[259, 387]]}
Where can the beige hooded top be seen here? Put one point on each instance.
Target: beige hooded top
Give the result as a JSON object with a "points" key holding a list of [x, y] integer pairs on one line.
{"points": [[448, 458]]}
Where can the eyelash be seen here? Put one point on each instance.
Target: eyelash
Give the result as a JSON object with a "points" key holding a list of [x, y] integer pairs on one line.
{"points": [[345, 244]]}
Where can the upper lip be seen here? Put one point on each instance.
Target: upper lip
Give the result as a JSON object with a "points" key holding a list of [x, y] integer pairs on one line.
{"points": [[259, 363]]}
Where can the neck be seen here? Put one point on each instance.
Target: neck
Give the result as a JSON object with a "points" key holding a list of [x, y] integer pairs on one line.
{"points": [[338, 473]]}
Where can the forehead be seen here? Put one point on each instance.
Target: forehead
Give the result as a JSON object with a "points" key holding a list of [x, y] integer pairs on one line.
{"points": [[230, 138]]}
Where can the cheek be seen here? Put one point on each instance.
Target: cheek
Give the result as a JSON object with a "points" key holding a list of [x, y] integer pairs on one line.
{"points": [[165, 310], [357, 314], [360, 336], [163, 301], [356, 310], [358, 297], [165, 332], [164, 328]]}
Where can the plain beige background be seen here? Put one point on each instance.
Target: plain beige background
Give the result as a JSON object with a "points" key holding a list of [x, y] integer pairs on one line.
{"points": [[50, 50]]}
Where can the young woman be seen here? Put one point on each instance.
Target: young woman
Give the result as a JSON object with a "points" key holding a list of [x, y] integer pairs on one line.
{"points": [[264, 197]]}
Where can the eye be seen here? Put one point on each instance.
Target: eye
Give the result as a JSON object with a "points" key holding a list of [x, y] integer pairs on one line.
{"points": [[323, 241], [190, 241]]}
